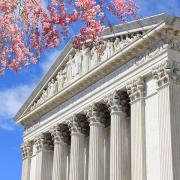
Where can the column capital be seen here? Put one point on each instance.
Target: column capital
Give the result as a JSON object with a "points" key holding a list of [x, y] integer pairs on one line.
{"points": [[118, 101], [78, 124], [97, 114], [43, 141], [135, 89], [60, 133], [27, 149], [167, 72]]}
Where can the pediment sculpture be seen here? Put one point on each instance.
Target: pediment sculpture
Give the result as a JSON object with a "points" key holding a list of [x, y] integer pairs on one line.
{"points": [[81, 62]]}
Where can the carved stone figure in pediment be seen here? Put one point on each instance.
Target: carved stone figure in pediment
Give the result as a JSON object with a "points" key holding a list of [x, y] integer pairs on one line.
{"points": [[69, 69], [44, 95], [117, 44], [40, 101], [122, 44], [127, 41], [104, 56], [136, 36], [110, 48], [60, 80], [85, 59], [33, 106], [52, 88], [56, 87], [95, 58], [64, 72], [78, 62]]}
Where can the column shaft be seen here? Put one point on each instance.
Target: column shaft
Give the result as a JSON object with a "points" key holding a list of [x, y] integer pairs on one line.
{"points": [[60, 134], [76, 157], [119, 137], [96, 145], [26, 168], [44, 159], [44, 163], [168, 82], [119, 147], [138, 138], [60, 161], [138, 158], [169, 124]]}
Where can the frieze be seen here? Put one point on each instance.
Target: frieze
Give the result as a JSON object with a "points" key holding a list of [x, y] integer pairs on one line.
{"points": [[151, 52]]}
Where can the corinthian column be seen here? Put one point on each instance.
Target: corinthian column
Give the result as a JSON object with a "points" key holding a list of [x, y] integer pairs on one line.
{"points": [[26, 165], [78, 128], [96, 143], [61, 152], [168, 82], [44, 157], [138, 144], [119, 137]]}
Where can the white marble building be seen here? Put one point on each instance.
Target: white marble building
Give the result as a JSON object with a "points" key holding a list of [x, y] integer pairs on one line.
{"points": [[109, 117]]}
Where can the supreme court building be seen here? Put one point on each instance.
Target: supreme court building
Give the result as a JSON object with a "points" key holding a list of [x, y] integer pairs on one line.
{"points": [[114, 116]]}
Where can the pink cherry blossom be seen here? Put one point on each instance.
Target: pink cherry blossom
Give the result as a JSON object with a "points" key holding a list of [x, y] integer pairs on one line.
{"points": [[27, 28]]}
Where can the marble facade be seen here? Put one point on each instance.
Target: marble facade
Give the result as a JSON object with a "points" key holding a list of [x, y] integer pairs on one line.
{"points": [[113, 116]]}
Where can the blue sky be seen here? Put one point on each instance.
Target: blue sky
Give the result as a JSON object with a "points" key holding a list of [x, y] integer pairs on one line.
{"points": [[16, 87]]}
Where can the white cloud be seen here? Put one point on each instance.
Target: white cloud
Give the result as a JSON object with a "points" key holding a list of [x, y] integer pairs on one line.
{"points": [[10, 101]]}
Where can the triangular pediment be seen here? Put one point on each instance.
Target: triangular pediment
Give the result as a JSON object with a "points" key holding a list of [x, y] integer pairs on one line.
{"points": [[72, 65]]}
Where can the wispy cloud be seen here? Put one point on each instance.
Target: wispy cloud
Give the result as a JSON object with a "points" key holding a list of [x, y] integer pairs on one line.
{"points": [[10, 101]]}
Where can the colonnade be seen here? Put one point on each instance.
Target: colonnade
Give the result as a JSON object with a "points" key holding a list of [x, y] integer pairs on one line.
{"points": [[124, 112], [68, 141]]}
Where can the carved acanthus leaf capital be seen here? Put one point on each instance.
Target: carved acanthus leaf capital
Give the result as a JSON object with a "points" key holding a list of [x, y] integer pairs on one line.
{"points": [[60, 133], [97, 114], [43, 141], [167, 72], [78, 124], [135, 89], [118, 102], [27, 149]]}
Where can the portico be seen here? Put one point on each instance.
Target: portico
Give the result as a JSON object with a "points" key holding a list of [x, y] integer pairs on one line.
{"points": [[112, 116]]}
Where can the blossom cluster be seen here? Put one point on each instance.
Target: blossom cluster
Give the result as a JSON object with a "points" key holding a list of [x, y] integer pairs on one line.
{"points": [[27, 27]]}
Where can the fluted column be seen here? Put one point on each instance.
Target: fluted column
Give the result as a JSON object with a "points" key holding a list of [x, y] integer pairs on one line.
{"points": [[61, 152], [96, 144], [168, 82], [44, 157], [26, 165], [119, 137], [78, 129], [138, 144]]}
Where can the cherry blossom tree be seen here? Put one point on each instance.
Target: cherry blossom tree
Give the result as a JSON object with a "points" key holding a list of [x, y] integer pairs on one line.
{"points": [[28, 27]]}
